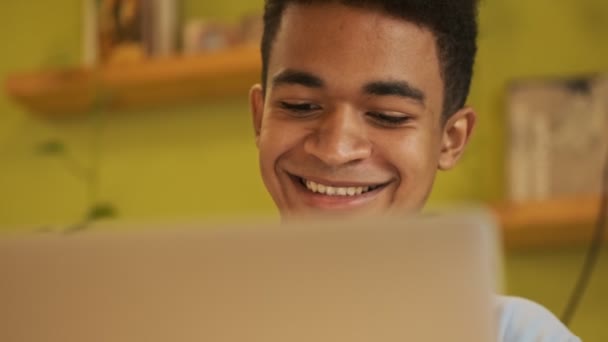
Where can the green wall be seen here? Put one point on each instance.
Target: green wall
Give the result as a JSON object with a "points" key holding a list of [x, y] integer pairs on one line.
{"points": [[521, 39], [167, 164], [199, 161], [548, 277]]}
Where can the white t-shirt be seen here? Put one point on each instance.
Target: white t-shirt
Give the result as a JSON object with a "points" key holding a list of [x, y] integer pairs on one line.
{"points": [[521, 320]]}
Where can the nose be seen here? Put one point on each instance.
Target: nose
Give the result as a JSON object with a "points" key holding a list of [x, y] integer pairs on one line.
{"points": [[340, 138]]}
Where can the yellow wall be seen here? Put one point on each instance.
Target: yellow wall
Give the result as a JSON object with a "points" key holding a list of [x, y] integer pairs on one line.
{"points": [[177, 163], [199, 160], [548, 277], [522, 39]]}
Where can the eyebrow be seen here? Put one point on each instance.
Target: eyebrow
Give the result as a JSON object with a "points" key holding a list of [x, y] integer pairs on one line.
{"points": [[394, 88], [298, 78], [377, 88]]}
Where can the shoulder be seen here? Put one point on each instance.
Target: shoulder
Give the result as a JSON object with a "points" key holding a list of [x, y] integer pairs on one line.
{"points": [[521, 320]]}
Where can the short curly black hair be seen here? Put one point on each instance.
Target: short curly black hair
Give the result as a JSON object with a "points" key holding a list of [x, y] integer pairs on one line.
{"points": [[453, 23]]}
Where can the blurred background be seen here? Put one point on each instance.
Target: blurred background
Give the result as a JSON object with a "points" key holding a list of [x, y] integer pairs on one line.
{"points": [[86, 134]]}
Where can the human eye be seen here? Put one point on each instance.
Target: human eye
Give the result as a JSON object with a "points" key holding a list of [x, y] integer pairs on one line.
{"points": [[299, 108], [388, 120]]}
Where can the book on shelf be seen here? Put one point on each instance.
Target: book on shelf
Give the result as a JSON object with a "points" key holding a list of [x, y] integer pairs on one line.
{"points": [[129, 30]]}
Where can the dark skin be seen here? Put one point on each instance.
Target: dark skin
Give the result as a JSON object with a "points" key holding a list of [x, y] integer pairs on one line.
{"points": [[350, 121]]}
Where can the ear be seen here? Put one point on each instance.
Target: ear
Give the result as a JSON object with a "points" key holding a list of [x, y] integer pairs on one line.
{"points": [[456, 133], [256, 105]]}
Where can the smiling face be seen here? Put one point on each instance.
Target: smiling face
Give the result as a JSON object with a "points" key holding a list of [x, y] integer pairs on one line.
{"points": [[350, 121]]}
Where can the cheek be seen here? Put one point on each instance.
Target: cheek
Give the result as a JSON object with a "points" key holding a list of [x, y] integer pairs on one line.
{"points": [[270, 145], [415, 157], [414, 150], [279, 139], [270, 149]]}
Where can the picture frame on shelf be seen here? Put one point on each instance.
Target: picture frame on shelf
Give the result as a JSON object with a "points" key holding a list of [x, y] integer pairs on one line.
{"points": [[557, 137]]}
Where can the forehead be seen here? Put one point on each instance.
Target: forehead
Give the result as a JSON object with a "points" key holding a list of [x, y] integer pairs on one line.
{"points": [[344, 44]]}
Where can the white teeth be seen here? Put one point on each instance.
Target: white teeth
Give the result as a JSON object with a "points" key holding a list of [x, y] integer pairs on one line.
{"points": [[335, 191]]}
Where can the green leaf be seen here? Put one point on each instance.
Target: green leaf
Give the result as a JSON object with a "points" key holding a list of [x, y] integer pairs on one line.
{"points": [[101, 211], [51, 147]]}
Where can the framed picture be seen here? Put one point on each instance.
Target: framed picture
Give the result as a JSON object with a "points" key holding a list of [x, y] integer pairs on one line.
{"points": [[558, 137]]}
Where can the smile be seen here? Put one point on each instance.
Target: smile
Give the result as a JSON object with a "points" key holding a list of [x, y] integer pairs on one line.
{"points": [[344, 191]]}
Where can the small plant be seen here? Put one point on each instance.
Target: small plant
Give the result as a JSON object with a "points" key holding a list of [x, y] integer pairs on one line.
{"points": [[87, 174]]}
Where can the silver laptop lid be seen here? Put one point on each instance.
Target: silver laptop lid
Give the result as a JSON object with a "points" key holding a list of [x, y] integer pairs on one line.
{"points": [[421, 279]]}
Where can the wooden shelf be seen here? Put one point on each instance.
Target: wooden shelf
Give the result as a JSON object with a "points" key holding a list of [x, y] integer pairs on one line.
{"points": [[57, 93], [555, 222]]}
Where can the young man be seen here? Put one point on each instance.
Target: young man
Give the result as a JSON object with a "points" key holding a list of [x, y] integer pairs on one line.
{"points": [[361, 102]]}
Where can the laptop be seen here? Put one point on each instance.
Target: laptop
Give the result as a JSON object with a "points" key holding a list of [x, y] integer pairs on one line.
{"points": [[386, 280]]}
